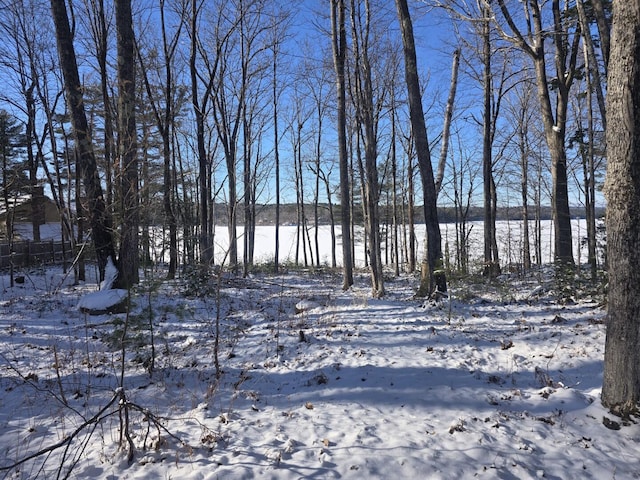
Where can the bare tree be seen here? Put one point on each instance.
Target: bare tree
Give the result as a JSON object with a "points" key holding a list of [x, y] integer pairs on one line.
{"points": [[553, 97], [316, 84], [621, 380], [202, 71], [602, 20], [522, 113], [96, 15], [367, 114], [491, 259], [164, 114], [339, 45], [279, 27], [593, 80]]}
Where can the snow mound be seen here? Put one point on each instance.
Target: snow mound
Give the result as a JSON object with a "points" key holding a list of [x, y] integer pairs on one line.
{"points": [[104, 301]]}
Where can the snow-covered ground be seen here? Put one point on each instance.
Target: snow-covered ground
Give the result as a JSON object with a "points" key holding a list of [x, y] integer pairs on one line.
{"points": [[500, 381]]}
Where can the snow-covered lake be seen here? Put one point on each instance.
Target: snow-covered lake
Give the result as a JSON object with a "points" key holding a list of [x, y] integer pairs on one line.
{"points": [[509, 236]]}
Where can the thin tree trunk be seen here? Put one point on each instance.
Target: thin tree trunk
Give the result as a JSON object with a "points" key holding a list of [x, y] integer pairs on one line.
{"points": [[276, 154], [339, 46], [394, 193], [365, 113], [591, 63], [446, 130], [332, 219], [316, 194], [411, 217], [603, 30], [491, 261], [524, 184]]}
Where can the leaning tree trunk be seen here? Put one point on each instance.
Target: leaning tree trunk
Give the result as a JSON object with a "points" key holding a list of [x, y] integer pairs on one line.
{"points": [[621, 381], [432, 276], [99, 217], [448, 115]]}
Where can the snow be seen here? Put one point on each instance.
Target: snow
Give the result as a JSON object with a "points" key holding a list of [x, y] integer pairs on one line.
{"points": [[102, 300], [500, 380], [106, 297], [509, 233]]}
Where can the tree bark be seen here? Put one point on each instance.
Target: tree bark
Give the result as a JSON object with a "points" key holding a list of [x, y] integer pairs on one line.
{"points": [[621, 381], [100, 219]]}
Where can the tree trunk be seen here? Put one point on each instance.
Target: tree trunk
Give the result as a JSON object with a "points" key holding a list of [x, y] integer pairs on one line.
{"points": [[332, 221], [591, 63], [37, 199], [129, 258], [524, 190], [621, 381], [276, 155], [446, 129], [394, 192], [95, 12], [199, 108], [411, 213], [169, 49], [247, 257], [100, 218], [491, 261], [603, 30], [339, 44], [316, 193], [366, 117], [432, 276]]}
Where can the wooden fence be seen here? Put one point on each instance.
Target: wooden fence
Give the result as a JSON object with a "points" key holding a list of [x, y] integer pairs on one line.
{"points": [[28, 253]]}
